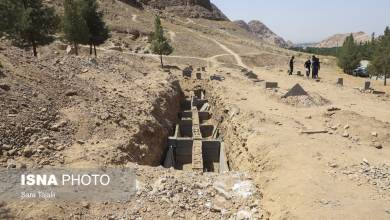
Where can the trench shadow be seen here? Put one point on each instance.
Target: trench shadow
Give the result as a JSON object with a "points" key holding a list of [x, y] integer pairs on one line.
{"points": [[171, 67], [2, 75]]}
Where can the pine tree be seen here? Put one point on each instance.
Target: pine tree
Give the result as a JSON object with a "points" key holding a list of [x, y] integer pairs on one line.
{"points": [[98, 32], [371, 46], [10, 11], [74, 25], [380, 65], [28, 22], [387, 31], [349, 57], [160, 44]]}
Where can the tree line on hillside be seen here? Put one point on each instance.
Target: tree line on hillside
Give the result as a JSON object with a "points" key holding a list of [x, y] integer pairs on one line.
{"points": [[377, 51], [365, 50], [332, 51], [30, 23]]}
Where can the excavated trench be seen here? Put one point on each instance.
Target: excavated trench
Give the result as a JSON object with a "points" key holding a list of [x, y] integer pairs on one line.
{"points": [[195, 144], [204, 125]]}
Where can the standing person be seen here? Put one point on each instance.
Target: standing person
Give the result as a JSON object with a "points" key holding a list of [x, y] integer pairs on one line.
{"points": [[315, 66], [291, 65], [308, 67]]}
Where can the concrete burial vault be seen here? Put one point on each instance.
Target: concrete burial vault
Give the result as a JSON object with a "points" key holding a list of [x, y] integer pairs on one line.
{"points": [[340, 81], [195, 145], [271, 85], [367, 85]]}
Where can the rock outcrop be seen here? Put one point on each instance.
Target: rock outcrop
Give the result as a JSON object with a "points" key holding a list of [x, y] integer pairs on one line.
{"points": [[261, 31], [187, 8], [242, 24]]}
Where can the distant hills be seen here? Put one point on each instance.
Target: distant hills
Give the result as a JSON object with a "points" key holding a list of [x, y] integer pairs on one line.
{"points": [[207, 10], [262, 32], [337, 40]]}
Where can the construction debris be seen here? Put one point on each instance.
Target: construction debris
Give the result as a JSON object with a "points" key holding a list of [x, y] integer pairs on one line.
{"points": [[217, 77], [315, 132]]}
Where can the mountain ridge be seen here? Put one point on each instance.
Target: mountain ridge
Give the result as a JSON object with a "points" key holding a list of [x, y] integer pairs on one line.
{"points": [[337, 40], [261, 31], [185, 8]]}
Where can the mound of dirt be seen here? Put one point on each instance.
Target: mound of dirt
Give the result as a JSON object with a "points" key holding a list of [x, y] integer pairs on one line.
{"points": [[305, 100], [309, 100]]}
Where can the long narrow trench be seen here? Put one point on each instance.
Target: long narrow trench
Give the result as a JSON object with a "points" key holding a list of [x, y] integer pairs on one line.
{"points": [[195, 144]]}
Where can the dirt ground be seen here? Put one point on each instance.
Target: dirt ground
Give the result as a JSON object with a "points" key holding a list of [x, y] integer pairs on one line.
{"points": [[335, 175]]}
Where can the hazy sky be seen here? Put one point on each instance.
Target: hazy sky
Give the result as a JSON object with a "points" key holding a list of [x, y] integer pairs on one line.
{"points": [[311, 21]]}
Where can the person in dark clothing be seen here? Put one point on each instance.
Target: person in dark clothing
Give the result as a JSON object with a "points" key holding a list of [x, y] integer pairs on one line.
{"points": [[315, 64], [291, 65], [308, 67]]}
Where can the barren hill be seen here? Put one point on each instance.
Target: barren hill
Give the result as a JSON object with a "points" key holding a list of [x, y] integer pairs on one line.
{"points": [[337, 40], [187, 8], [261, 31]]}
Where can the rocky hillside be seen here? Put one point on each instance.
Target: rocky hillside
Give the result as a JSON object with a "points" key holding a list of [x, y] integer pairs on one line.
{"points": [[263, 32], [243, 25], [56, 105], [184, 8], [338, 39]]}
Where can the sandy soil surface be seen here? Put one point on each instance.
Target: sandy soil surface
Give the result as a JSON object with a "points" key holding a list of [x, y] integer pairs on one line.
{"points": [[340, 174]]}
